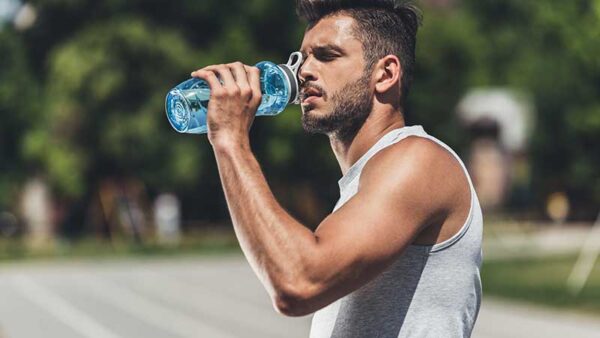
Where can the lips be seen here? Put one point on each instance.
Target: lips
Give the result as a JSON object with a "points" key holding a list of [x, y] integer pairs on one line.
{"points": [[309, 93]]}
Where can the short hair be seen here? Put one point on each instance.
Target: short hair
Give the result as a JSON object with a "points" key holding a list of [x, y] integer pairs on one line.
{"points": [[383, 27]]}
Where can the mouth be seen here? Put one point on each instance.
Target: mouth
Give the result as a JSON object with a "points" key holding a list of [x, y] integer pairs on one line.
{"points": [[310, 94]]}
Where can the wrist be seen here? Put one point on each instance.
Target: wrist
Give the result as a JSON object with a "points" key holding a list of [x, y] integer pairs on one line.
{"points": [[228, 143]]}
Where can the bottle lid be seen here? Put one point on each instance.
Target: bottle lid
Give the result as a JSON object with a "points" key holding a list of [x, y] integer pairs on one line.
{"points": [[290, 69]]}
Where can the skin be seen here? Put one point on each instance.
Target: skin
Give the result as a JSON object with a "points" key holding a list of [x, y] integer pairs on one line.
{"points": [[413, 192]]}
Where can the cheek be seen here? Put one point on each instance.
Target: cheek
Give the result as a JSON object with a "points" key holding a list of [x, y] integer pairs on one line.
{"points": [[335, 81], [330, 81]]}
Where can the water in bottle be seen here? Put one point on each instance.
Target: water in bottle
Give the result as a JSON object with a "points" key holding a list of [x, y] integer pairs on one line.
{"points": [[187, 104]]}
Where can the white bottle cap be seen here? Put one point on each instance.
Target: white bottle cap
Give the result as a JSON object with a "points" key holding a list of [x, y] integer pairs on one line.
{"points": [[290, 69]]}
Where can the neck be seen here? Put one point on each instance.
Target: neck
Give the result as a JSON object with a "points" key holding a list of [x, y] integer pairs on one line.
{"points": [[349, 149]]}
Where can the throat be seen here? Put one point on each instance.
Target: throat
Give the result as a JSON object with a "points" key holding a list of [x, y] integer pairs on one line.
{"points": [[350, 147]]}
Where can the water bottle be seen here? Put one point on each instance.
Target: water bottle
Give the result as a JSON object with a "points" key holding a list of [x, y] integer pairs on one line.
{"points": [[187, 104]]}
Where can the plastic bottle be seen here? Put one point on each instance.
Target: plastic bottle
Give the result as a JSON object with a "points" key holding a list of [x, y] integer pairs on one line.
{"points": [[187, 104]]}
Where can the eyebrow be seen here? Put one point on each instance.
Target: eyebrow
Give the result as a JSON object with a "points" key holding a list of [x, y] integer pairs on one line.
{"points": [[324, 48]]}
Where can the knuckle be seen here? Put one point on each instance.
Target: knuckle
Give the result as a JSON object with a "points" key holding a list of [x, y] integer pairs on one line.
{"points": [[246, 92], [218, 93], [210, 76]]}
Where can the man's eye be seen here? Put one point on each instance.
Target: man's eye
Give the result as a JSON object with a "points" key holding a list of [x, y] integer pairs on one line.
{"points": [[326, 57]]}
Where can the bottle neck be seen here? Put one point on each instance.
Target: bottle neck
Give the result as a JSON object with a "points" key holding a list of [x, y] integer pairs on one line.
{"points": [[292, 82]]}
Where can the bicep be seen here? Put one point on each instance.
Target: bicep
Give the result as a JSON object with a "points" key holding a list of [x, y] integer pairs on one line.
{"points": [[402, 189], [369, 227], [363, 237]]}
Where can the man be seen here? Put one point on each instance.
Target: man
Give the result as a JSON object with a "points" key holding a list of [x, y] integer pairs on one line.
{"points": [[400, 254]]}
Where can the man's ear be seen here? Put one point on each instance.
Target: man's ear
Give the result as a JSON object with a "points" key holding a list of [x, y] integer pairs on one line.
{"points": [[388, 73]]}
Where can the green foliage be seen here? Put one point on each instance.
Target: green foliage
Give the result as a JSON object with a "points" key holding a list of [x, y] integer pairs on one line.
{"points": [[82, 94], [545, 48], [541, 280], [19, 97], [449, 61], [104, 108], [550, 49]]}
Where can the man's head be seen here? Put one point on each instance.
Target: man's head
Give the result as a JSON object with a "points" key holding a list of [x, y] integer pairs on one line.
{"points": [[354, 50]]}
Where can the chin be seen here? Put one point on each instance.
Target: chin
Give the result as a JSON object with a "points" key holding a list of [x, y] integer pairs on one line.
{"points": [[306, 108], [315, 122], [312, 110], [312, 114]]}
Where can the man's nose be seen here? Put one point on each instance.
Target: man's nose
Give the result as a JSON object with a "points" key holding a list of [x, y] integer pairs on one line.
{"points": [[306, 71]]}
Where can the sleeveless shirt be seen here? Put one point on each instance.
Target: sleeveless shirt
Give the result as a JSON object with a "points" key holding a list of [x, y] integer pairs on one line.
{"points": [[429, 291]]}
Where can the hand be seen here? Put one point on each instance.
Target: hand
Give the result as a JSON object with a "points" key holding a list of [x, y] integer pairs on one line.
{"points": [[233, 103]]}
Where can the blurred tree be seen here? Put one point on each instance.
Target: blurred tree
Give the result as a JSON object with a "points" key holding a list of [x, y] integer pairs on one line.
{"points": [[551, 49], [104, 114], [82, 94], [450, 60], [106, 67], [19, 99]]}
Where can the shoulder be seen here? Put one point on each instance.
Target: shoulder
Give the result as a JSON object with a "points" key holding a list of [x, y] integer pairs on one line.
{"points": [[418, 168], [413, 155]]}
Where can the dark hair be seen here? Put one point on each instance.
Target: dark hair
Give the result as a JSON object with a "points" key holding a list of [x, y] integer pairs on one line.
{"points": [[384, 27]]}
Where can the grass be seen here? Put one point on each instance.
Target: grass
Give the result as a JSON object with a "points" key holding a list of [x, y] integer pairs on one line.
{"points": [[541, 281]]}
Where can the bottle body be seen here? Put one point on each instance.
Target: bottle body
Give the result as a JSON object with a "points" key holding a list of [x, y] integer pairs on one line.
{"points": [[187, 103]]}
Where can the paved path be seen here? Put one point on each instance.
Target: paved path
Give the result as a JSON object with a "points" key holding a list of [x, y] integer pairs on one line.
{"points": [[193, 297]]}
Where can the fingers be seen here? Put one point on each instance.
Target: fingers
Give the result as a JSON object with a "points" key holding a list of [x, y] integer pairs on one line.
{"points": [[239, 72], [253, 75], [236, 79], [209, 77], [224, 73]]}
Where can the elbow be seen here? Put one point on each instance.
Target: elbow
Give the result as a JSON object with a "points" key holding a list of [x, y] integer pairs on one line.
{"points": [[294, 300]]}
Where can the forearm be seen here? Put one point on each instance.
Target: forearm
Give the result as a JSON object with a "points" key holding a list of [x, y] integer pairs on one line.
{"points": [[275, 244]]}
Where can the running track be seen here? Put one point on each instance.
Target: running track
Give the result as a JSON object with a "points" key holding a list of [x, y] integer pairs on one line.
{"points": [[194, 297]]}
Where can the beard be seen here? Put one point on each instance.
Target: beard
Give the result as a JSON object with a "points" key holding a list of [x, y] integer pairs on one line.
{"points": [[351, 106]]}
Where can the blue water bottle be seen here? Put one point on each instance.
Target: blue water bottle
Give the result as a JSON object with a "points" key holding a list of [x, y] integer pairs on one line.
{"points": [[187, 104]]}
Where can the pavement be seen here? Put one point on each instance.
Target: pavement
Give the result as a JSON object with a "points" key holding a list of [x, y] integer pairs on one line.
{"points": [[216, 297]]}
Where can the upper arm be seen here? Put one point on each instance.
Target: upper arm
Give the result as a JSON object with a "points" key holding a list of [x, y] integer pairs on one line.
{"points": [[401, 190]]}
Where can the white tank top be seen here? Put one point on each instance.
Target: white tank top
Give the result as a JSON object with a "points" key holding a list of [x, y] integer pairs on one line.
{"points": [[430, 291]]}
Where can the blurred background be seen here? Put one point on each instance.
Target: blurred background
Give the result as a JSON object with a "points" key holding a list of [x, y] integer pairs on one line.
{"points": [[90, 168]]}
